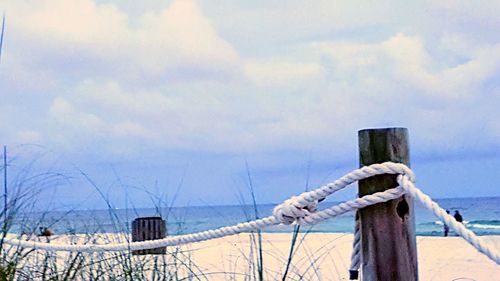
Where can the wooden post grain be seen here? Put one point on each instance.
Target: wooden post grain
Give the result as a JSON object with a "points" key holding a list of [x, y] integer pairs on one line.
{"points": [[388, 246], [148, 228]]}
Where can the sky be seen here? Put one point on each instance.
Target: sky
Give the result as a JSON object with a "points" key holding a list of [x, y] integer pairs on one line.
{"points": [[198, 100]]}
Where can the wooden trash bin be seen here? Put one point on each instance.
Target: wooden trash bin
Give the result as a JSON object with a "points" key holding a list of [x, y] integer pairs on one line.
{"points": [[148, 228]]}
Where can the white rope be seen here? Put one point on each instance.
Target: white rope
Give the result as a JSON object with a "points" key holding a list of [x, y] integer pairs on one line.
{"points": [[439, 212], [356, 250], [300, 209]]}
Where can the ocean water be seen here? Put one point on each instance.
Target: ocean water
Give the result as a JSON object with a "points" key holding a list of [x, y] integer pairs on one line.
{"points": [[481, 215]]}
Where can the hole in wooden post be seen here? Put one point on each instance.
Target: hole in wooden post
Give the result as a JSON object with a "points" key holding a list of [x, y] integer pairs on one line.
{"points": [[402, 209]]}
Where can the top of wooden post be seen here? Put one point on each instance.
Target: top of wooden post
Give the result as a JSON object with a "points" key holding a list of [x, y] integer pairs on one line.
{"points": [[382, 145]]}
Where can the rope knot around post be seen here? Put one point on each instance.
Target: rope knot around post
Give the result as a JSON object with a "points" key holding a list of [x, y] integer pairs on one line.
{"points": [[303, 209], [295, 209]]}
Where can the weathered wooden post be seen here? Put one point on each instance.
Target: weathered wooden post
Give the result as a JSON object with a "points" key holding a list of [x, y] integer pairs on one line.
{"points": [[148, 228], [388, 243]]}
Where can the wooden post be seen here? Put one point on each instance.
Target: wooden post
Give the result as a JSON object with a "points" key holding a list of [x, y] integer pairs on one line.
{"points": [[148, 228], [388, 245]]}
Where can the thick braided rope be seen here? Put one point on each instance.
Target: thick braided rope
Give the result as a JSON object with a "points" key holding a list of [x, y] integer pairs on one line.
{"points": [[356, 250], [303, 206], [314, 218], [149, 244], [439, 212], [300, 209], [281, 214], [356, 247], [407, 184]]}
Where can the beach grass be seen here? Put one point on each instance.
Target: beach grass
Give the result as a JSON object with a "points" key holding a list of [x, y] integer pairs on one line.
{"points": [[17, 263]]}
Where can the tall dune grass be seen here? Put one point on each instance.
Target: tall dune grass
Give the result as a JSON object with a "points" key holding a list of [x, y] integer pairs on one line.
{"points": [[18, 263]]}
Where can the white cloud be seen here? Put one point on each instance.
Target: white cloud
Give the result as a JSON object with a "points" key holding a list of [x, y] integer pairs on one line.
{"points": [[394, 82], [264, 27], [63, 112], [281, 73], [181, 35], [130, 129], [79, 22], [156, 77], [102, 37], [29, 136]]}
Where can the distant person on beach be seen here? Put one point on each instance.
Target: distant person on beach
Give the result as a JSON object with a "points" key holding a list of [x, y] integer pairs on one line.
{"points": [[458, 216], [446, 227]]}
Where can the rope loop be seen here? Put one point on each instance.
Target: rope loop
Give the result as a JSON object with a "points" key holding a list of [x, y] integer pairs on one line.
{"points": [[299, 209]]}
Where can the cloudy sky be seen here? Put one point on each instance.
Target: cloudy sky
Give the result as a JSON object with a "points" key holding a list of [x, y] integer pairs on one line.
{"points": [[196, 94]]}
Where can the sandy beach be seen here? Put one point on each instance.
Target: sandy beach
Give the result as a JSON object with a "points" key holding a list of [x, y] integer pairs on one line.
{"points": [[326, 256], [317, 256]]}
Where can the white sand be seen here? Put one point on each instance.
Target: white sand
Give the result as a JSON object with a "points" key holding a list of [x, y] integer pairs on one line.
{"points": [[321, 256], [440, 258]]}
